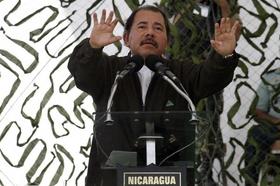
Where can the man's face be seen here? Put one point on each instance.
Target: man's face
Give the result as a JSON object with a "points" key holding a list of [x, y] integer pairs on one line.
{"points": [[147, 35]]}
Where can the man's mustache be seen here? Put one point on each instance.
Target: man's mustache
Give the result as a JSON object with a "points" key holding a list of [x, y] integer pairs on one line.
{"points": [[149, 41]]}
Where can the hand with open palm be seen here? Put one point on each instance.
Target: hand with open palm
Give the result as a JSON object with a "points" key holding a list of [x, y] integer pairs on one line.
{"points": [[224, 41], [102, 32]]}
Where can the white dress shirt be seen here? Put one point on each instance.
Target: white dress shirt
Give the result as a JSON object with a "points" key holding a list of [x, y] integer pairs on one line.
{"points": [[145, 76]]}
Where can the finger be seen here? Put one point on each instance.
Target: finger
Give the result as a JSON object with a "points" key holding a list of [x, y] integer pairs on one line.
{"points": [[235, 26], [95, 20], [103, 17], [110, 18], [217, 30], [222, 25], [215, 44], [114, 23], [115, 39], [228, 25]]}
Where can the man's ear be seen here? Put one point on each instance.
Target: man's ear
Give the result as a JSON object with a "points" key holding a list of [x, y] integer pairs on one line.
{"points": [[125, 39]]}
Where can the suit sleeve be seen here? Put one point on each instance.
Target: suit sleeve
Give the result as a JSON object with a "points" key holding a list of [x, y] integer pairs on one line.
{"points": [[91, 69], [209, 77]]}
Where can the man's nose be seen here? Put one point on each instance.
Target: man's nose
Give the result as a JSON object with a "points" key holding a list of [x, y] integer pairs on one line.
{"points": [[150, 32]]}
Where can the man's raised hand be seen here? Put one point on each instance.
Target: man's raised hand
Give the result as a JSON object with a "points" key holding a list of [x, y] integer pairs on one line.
{"points": [[102, 32], [224, 41]]}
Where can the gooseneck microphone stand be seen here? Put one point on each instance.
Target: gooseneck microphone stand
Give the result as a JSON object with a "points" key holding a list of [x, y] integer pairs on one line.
{"points": [[109, 120], [135, 63], [184, 94]]}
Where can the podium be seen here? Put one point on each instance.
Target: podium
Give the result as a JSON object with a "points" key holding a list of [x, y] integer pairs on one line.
{"points": [[147, 148]]}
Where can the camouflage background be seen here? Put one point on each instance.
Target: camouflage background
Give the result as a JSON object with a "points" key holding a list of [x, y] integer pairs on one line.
{"points": [[45, 121]]}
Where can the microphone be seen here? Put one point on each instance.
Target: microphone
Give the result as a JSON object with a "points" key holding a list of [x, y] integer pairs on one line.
{"points": [[135, 63], [153, 62]]}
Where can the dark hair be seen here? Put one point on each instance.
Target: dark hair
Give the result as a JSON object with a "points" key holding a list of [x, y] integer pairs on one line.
{"points": [[129, 22]]}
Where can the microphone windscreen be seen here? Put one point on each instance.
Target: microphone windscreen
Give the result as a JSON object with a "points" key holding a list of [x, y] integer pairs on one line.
{"points": [[138, 61], [151, 62]]}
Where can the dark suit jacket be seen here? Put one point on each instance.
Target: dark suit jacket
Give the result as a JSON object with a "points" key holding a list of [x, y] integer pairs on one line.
{"points": [[94, 72]]}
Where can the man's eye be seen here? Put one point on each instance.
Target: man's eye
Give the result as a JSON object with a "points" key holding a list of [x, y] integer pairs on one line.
{"points": [[159, 28]]}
